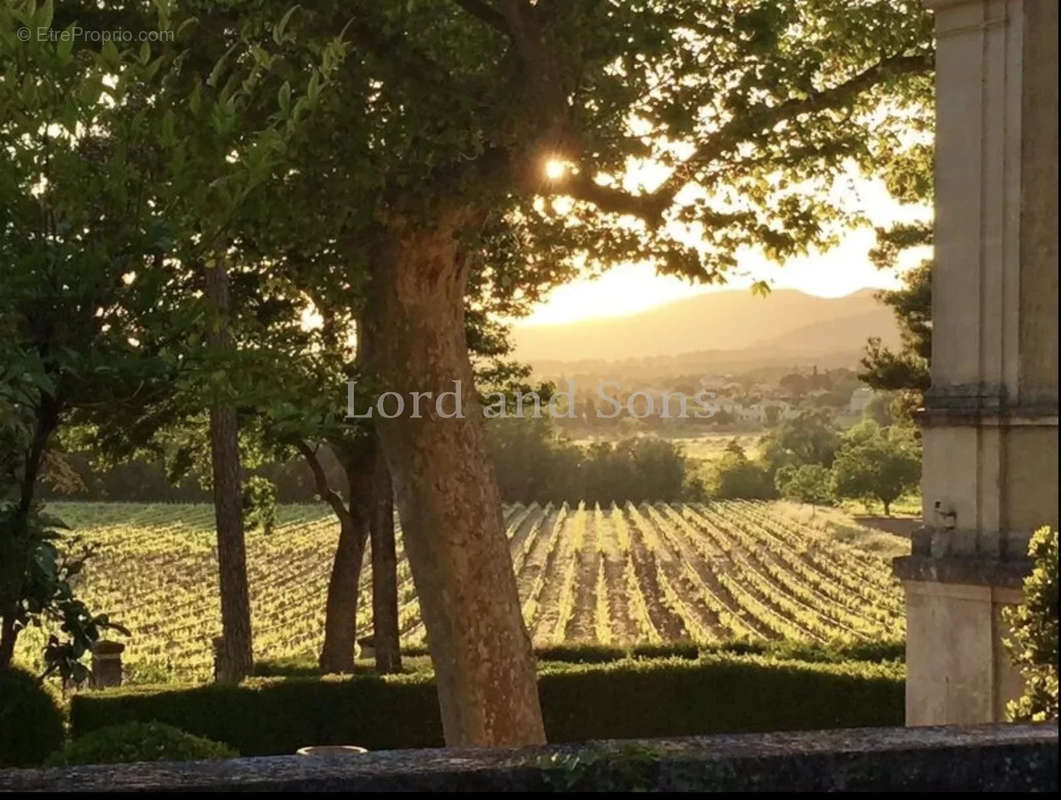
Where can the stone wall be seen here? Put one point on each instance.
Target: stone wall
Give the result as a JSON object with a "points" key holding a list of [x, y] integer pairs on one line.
{"points": [[975, 758]]}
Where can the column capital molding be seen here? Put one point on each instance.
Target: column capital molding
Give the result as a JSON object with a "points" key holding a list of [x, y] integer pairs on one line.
{"points": [[940, 5], [1002, 573], [947, 24], [983, 404]]}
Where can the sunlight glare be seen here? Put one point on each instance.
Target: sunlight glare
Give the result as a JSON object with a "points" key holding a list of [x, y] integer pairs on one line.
{"points": [[555, 169]]}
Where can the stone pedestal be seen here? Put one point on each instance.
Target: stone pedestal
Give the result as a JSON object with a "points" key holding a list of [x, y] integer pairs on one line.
{"points": [[990, 419], [107, 664], [366, 647]]}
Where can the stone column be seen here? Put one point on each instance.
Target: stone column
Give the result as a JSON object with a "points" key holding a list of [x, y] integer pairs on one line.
{"points": [[990, 418]]}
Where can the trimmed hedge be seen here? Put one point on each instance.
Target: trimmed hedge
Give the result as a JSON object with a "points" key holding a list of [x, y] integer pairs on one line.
{"points": [[888, 650], [719, 693], [416, 659], [31, 723], [132, 742]]}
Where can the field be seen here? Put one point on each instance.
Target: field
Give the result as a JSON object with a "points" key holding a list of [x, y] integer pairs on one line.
{"points": [[621, 575]]}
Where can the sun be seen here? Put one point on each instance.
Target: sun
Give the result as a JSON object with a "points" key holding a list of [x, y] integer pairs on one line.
{"points": [[555, 169]]}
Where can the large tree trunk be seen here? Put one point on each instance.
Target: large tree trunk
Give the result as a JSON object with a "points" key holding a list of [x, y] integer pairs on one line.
{"points": [[235, 656], [384, 571], [447, 494]]}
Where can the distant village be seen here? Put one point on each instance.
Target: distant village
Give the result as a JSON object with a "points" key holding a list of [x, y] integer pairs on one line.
{"points": [[739, 401]]}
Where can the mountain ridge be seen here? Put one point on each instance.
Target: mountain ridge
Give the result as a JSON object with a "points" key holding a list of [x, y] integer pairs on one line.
{"points": [[787, 321]]}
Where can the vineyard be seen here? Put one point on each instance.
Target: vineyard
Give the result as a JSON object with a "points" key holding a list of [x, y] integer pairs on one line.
{"points": [[619, 575]]}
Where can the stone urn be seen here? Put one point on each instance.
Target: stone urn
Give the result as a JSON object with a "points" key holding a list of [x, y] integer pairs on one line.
{"points": [[331, 750]]}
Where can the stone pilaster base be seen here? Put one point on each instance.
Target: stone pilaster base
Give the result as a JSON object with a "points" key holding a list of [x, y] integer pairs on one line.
{"points": [[958, 670]]}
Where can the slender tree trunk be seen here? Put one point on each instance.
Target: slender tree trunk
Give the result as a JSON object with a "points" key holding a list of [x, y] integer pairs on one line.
{"points": [[16, 545], [340, 618], [14, 562], [384, 571], [340, 614], [236, 657], [8, 636], [447, 493]]}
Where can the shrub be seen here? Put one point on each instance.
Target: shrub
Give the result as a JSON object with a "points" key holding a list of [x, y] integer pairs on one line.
{"points": [[259, 504], [31, 724], [807, 483], [637, 469], [871, 465], [716, 694], [735, 476], [878, 651], [589, 653], [534, 464], [837, 652], [1033, 641], [719, 693], [138, 741], [689, 650], [808, 438], [417, 659]]}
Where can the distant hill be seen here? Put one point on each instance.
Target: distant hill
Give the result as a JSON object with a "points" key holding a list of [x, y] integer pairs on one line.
{"points": [[731, 329]]}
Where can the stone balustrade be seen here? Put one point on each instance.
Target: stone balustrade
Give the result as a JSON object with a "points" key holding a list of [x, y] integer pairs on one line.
{"points": [[969, 758]]}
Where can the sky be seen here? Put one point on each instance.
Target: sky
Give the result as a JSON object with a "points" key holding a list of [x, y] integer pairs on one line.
{"points": [[846, 268]]}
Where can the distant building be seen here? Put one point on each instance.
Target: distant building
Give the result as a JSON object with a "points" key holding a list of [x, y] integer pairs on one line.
{"points": [[765, 412], [714, 382], [860, 399]]}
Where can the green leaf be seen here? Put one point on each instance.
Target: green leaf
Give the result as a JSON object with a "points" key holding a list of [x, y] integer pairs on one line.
{"points": [[278, 30], [112, 59], [28, 94], [153, 67], [168, 133], [43, 17], [186, 24], [65, 48], [215, 73]]}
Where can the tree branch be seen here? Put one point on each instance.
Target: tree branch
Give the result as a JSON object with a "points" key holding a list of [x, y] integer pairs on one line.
{"points": [[395, 50], [485, 12], [328, 495], [541, 70], [648, 206], [651, 206], [741, 129]]}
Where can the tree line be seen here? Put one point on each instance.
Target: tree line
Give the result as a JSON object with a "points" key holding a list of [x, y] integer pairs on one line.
{"points": [[807, 460]]}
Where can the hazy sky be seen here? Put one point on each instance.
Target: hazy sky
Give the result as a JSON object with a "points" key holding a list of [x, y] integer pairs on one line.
{"points": [[628, 288]]}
